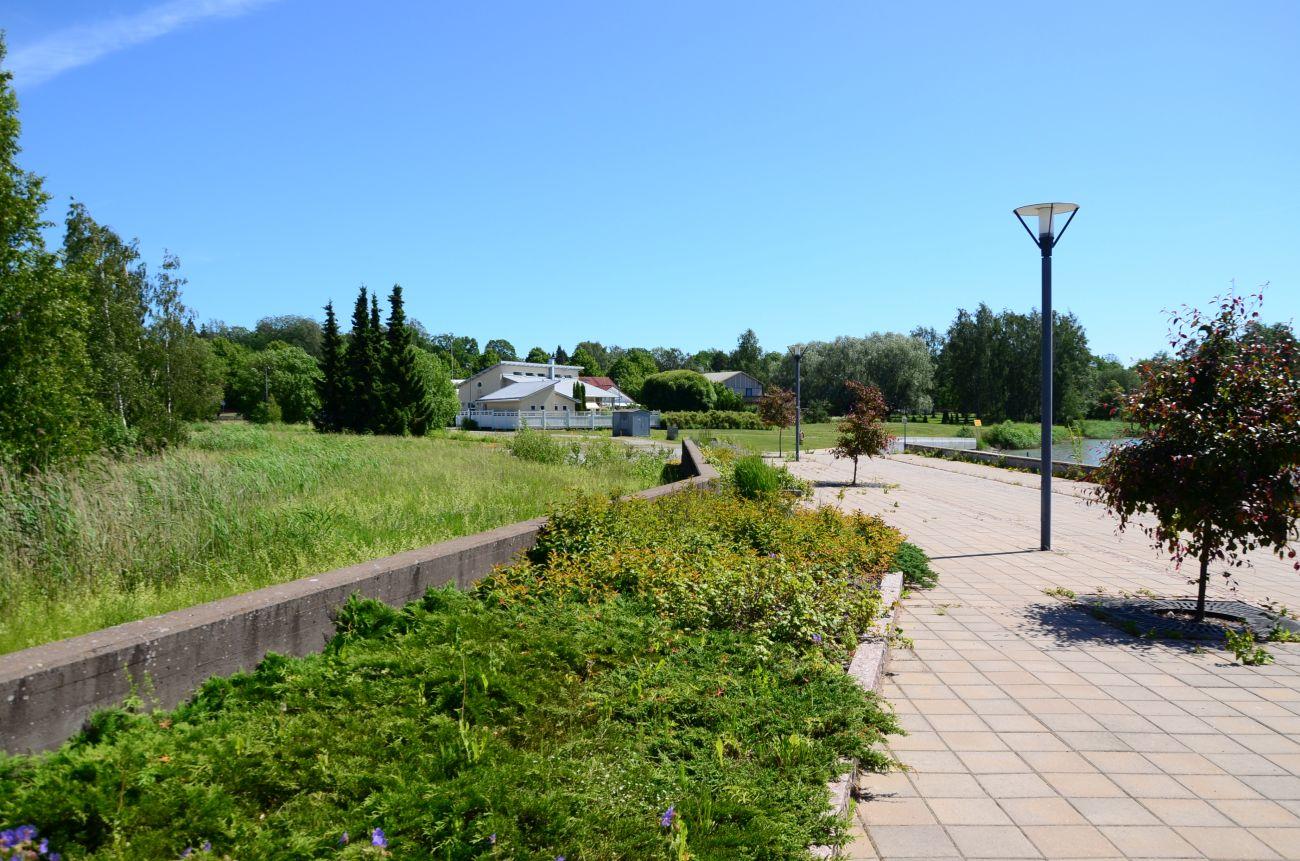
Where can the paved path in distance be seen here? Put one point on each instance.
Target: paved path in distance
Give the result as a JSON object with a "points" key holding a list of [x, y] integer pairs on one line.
{"points": [[1036, 731]]}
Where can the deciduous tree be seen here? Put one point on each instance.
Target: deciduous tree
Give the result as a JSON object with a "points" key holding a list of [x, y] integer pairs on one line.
{"points": [[776, 409], [862, 433], [1217, 464]]}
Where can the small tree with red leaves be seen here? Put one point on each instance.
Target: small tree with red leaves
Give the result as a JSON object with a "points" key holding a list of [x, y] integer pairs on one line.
{"points": [[1218, 465], [776, 410], [862, 433]]}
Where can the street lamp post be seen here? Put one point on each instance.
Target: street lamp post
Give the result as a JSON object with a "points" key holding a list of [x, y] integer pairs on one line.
{"points": [[796, 352], [1046, 241]]}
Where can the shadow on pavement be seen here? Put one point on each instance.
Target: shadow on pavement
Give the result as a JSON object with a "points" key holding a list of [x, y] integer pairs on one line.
{"points": [[1072, 625]]}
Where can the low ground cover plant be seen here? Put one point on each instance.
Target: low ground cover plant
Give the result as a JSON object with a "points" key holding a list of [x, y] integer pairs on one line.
{"points": [[656, 680], [243, 506], [915, 565]]}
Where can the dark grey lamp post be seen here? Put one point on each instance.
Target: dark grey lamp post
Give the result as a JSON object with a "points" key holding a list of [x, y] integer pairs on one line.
{"points": [[1046, 240], [796, 352]]}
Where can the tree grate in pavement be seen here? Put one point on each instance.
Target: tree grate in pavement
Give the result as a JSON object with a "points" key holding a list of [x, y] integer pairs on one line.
{"points": [[1145, 617]]}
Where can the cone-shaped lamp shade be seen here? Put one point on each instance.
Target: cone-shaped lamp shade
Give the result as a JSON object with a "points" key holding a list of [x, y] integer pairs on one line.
{"points": [[1044, 213]]}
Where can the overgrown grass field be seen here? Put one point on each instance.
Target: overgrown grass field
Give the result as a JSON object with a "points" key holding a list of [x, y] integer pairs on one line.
{"points": [[657, 680], [243, 506]]}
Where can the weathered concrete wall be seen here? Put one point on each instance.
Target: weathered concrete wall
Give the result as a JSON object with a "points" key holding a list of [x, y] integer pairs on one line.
{"points": [[1059, 467], [47, 692]]}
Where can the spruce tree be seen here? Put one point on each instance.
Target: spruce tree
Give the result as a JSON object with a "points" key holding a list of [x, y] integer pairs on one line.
{"points": [[362, 364], [332, 384], [409, 408]]}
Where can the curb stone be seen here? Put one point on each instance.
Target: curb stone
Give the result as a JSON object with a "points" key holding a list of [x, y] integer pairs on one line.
{"points": [[867, 668]]}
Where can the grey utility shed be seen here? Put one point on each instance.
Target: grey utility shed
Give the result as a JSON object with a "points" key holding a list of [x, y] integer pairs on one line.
{"points": [[632, 422]]}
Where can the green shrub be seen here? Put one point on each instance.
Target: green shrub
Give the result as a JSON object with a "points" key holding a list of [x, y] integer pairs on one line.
{"points": [[1018, 435], [714, 419], [755, 478], [817, 412], [966, 432], [915, 565], [536, 446], [679, 654], [468, 423], [678, 390]]}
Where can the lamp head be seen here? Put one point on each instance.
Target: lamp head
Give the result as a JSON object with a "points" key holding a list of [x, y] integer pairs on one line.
{"points": [[796, 350], [1045, 213]]}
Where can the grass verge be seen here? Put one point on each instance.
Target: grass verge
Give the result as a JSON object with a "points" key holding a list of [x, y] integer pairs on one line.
{"points": [[243, 506]]}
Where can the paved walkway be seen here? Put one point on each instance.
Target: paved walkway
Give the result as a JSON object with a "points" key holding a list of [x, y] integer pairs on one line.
{"points": [[1038, 732]]}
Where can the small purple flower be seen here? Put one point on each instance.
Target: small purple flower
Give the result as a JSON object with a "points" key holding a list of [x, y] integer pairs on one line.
{"points": [[343, 839], [666, 819], [207, 845], [44, 848], [189, 850], [377, 838], [25, 833], [492, 839], [817, 639], [7, 838]]}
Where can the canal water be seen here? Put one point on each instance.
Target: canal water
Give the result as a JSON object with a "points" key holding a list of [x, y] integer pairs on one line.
{"points": [[1093, 450]]}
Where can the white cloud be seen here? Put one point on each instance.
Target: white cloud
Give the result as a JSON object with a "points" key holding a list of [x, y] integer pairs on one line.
{"points": [[77, 46]]}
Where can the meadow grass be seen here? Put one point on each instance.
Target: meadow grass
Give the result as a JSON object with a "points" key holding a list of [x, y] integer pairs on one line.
{"points": [[243, 506]]}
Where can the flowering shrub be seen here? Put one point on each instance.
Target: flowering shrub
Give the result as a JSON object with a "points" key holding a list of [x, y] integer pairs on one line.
{"points": [[706, 560]]}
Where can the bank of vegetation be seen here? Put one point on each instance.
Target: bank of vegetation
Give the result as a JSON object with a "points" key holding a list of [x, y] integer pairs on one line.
{"points": [[243, 506], [656, 680]]}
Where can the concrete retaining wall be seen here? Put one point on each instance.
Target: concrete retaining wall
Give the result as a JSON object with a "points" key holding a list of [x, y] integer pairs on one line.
{"points": [[1062, 468], [47, 692]]}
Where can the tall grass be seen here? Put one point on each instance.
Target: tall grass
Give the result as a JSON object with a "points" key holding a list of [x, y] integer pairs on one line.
{"points": [[242, 507]]}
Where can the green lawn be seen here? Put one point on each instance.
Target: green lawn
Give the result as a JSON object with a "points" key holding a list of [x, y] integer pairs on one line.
{"points": [[822, 435], [242, 506]]}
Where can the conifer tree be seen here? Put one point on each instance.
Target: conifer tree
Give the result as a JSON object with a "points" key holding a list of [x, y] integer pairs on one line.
{"points": [[362, 363], [332, 384], [408, 408]]}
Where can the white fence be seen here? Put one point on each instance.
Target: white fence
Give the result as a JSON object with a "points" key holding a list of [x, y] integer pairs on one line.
{"points": [[514, 419]]}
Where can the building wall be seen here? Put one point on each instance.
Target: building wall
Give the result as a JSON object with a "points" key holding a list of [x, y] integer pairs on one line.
{"points": [[491, 380]]}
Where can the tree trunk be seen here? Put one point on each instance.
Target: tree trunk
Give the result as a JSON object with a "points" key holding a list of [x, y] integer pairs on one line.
{"points": [[855, 472], [1205, 578], [780, 432]]}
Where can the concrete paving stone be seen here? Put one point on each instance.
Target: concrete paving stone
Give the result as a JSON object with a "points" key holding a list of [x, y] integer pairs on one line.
{"points": [[1087, 785], [1270, 744], [1017, 785], [918, 741], [1149, 841], [1245, 763], [1070, 841], [912, 841], [984, 740], [992, 841], [1257, 812], [895, 811], [1227, 843], [1183, 763], [959, 723], [1086, 741], [993, 762], [1114, 811], [859, 848], [889, 783], [1033, 741], [947, 706], [931, 761], [1042, 811], [1014, 723], [1073, 722], [985, 708], [1284, 841], [1217, 786], [969, 811], [1113, 763], [1275, 788], [1186, 811], [932, 786], [1151, 786], [1058, 761]]}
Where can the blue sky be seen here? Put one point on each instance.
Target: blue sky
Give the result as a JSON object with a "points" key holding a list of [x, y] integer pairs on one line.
{"points": [[673, 172]]}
